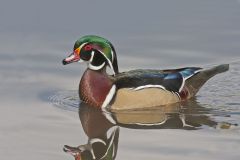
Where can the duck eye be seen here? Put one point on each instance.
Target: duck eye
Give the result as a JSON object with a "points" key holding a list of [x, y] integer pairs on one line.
{"points": [[88, 48]]}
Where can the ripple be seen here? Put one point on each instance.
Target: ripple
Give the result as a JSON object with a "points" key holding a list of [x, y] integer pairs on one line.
{"points": [[67, 100]]}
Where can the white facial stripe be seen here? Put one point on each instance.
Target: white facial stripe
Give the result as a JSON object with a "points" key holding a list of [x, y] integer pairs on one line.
{"points": [[82, 45], [112, 55], [109, 62], [92, 55], [109, 96], [149, 86]]}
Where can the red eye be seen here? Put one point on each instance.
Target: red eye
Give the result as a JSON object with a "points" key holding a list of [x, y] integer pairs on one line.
{"points": [[88, 48]]}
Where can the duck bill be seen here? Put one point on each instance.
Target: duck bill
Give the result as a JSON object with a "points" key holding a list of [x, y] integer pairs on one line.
{"points": [[73, 57], [75, 152]]}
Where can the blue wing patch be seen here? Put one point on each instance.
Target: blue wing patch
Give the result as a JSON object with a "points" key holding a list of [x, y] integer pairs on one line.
{"points": [[188, 72]]}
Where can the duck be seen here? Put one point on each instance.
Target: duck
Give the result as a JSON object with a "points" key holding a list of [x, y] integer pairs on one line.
{"points": [[134, 89]]}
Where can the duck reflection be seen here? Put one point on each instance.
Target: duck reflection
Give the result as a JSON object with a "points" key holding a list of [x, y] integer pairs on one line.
{"points": [[102, 127], [186, 115], [102, 135]]}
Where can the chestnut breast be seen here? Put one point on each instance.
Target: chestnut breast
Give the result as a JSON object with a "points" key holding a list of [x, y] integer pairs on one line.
{"points": [[94, 87]]}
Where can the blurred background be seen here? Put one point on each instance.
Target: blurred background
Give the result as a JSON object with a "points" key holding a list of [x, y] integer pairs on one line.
{"points": [[36, 35]]}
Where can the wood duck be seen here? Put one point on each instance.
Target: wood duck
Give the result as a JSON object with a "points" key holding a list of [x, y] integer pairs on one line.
{"points": [[133, 89]]}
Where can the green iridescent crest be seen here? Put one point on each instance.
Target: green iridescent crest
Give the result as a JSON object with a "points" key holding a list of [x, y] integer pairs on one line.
{"points": [[103, 46]]}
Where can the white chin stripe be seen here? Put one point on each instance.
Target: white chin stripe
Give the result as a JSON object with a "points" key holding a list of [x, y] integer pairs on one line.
{"points": [[109, 96], [96, 67], [92, 66], [149, 86]]}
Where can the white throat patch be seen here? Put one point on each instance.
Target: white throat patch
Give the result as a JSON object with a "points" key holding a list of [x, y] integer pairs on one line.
{"points": [[92, 66]]}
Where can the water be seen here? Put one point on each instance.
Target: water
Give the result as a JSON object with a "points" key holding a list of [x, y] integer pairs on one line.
{"points": [[37, 35]]}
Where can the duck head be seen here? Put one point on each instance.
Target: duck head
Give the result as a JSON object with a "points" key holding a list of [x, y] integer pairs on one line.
{"points": [[98, 52]]}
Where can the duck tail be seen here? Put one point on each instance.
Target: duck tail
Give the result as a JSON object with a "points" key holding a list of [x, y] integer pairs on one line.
{"points": [[216, 70], [196, 82]]}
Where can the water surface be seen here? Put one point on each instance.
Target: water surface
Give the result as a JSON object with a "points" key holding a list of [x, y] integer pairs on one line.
{"points": [[36, 35]]}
